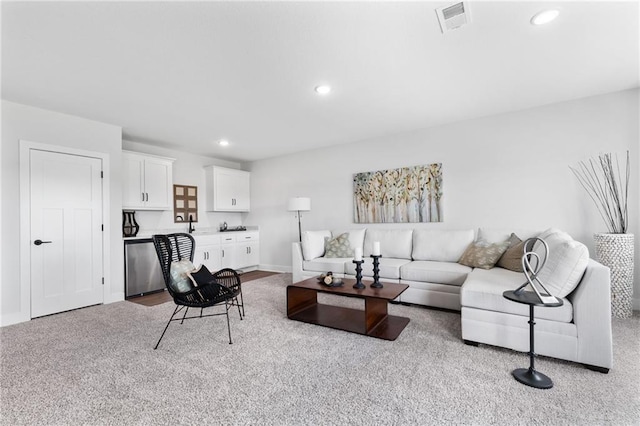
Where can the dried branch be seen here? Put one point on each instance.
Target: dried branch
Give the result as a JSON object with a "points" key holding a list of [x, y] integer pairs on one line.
{"points": [[607, 189]]}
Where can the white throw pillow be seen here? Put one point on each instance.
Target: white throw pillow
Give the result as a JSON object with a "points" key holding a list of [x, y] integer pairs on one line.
{"points": [[567, 260], [394, 243], [313, 244], [439, 245]]}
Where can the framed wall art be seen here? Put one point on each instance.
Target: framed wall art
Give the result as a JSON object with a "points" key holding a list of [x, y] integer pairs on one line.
{"points": [[185, 203], [404, 195]]}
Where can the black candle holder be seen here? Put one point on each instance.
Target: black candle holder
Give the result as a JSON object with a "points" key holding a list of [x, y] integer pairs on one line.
{"points": [[358, 283], [376, 282]]}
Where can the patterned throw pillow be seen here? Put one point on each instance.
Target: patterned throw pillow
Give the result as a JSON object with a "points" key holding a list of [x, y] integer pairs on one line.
{"points": [[512, 258], [180, 281], [481, 254], [338, 246]]}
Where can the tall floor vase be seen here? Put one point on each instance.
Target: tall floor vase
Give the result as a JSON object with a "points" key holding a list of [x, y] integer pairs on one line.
{"points": [[616, 252]]}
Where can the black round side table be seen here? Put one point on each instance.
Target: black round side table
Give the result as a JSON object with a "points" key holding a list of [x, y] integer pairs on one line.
{"points": [[529, 376]]}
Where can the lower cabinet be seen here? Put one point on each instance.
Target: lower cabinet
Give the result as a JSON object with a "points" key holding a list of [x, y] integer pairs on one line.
{"points": [[228, 248], [248, 253], [235, 250], [207, 252]]}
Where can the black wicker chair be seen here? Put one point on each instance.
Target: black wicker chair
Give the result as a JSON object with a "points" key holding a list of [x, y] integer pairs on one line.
{"points": [[175, 247], [230, 279]]}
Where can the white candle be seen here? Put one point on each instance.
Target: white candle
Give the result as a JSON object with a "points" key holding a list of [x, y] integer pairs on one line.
{"points": [[376, 248], [358, 254]]}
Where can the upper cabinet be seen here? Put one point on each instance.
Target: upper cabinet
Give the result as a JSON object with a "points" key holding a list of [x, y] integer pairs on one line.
{"points": [[146, 182], [228, 190]]}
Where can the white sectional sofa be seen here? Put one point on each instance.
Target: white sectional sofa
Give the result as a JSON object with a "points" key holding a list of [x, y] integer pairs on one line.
{"points": [[427, 261]]}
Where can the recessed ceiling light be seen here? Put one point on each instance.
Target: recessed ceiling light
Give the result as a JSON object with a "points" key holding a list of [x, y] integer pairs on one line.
{"points": [[323, 89], [545, 17], [223, 142]]}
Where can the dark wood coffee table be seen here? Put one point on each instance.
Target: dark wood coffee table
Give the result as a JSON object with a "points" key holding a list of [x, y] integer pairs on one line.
{"points": [[374, 321]]}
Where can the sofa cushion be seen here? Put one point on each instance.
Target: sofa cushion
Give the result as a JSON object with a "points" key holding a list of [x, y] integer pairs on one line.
{"points": [[313, 243], [496, 235], [389, 267], [338, 246], [483, 290], [326, 264], [356, 236], [435, 272], [512, 258], [395, 243], [481, 254], [440, 245], [566, 262]]}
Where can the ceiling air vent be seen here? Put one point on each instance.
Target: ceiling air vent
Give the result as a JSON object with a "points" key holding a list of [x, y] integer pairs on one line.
{"points": [[454, 16]]}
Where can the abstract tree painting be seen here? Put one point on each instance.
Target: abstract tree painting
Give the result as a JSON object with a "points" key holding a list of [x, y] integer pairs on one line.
{"points": [[405, 195]]}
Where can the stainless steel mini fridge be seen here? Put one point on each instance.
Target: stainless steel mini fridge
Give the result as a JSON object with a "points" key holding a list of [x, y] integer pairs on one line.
{"points": [[141, 268]]}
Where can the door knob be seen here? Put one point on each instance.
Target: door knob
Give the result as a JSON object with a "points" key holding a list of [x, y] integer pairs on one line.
{"points": [[38, 242]]}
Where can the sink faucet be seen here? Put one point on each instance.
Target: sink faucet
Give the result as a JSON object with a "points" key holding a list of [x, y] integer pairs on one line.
{"points": [[191, 228]]}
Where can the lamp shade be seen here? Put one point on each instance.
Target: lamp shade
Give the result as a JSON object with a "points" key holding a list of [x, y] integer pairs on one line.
{"points": [[301, 204]]}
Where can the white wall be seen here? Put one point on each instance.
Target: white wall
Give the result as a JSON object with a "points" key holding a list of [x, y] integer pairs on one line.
{"points": [[21, 122], [508, 171], [188, 169]]}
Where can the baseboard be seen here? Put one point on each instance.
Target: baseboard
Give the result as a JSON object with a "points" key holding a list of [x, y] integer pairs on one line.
{"points": [[14, 318], [275, 268], [115, 297]]}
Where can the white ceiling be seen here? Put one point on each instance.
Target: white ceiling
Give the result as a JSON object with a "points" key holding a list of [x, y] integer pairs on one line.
{"points": [[184, 75]]}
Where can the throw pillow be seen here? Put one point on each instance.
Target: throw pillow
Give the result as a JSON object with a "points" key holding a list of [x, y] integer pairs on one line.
{"points": [[512, 258], [313, 244], [200, 276], [481, 254], [338, 246], [565, 265], [180, 282]]}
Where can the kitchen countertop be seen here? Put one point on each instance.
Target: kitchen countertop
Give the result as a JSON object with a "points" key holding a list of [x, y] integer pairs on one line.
{"points": [[204, 231]]}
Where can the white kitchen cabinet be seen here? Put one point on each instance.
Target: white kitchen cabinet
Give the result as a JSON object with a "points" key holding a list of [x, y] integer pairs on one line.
{"points": [[228, 251], [235, 250], [228, 190], [247, 249], [146, 182], [208, 252]]}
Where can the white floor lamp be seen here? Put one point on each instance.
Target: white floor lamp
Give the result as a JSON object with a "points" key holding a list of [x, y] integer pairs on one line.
{"points": [[299, 204]]}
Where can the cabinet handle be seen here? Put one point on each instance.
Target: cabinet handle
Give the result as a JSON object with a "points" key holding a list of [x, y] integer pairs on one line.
{"points": [[147, 196], [143, 196], [222, 253]]}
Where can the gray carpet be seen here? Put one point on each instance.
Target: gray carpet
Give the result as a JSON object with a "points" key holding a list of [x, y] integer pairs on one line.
{"points": [[97, 366]]}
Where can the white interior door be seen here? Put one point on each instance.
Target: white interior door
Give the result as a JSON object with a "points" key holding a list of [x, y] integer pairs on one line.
{"points": [[66, 232]]}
